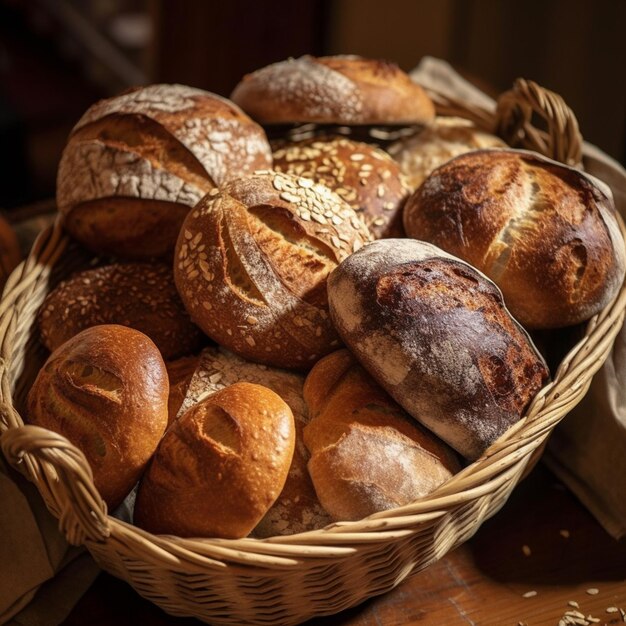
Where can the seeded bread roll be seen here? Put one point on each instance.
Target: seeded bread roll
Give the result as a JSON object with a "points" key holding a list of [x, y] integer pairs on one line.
{"points": [[434, 145], [135, 164], [220, 467], [435, 334], [10, 253], [367, 454], [106, 391], [362, 175], [297, 509], [545, 233], [180, 373], [251, 264], [334, 90], [139, 295]]}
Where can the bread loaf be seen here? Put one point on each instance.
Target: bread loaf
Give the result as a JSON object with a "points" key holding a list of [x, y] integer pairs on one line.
{"points": [[362, 175], [545, 233], [106, 391], [135, 164], [220, 466], [335, 90], [297, 508], [139, 295], [251, 265], [367, 454], [433, 145], [180, 373], [436, 335]]}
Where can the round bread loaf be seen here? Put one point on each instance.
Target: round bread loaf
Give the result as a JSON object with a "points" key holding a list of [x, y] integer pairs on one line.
{"points": [[334, 90], [447, 137], [251, 264], [362, 175], [545, 233], [435, 334], [367, 454], [139, 295], [10, 253], [135, 164], [106, 391], [220, 467]]}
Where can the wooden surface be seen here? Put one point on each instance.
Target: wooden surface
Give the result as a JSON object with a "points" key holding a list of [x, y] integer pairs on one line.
{"points": [[542, 541]]}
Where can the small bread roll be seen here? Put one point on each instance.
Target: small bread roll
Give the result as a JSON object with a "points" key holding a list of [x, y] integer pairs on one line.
{"points": [[362, 175], [10, 253], [545, 233], [435, 334], [139, 295], [106, 391], [251, 264], [135, 164], [180, 373], [220, 467], [333, 90], [447, 137], [367, 454]]}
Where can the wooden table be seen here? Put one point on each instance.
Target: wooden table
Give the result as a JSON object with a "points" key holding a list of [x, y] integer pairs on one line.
{"points": [[542, 551]]}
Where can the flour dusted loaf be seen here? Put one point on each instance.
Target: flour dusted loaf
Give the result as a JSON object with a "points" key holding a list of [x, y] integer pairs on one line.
{"points": [[180, 373], [335, 89], [139, 295], [135, 164], [220, 466], [251, 264], [362, 175], [436, 336], [367, 454], [433, 145], [106, 391], [545, 233]]}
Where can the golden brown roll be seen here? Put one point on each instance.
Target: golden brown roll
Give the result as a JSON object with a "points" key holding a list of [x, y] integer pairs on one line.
{"points": [[362, 175], [106, 391], [545, 233], [251, 264], [135, 164], [334, 90], [367, 454], [220, 467], [10, 253], [139, 295]]}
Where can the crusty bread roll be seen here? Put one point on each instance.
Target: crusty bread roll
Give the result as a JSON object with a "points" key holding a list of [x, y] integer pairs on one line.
{"points": [[367, 454], [220, 466], [336, 90], [135, 164], [447, 137], [180, 373], [362, 175], [545, 233], [435, 334], [10, 253], [251, 264], [297, 508], [139, 295], [106, 391]]}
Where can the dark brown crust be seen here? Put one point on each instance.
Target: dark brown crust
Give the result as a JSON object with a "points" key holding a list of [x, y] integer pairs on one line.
{"points": [[544, 233]]}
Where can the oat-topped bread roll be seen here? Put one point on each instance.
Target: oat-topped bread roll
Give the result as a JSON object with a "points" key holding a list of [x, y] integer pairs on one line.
{"points": [[367, 454], [545, 233], [135, 164], [362, 175], [333, 90], [251, 264], [220, 466], [106, 391], [419, 154], [297, 508], [435, 334], [139, 295]]}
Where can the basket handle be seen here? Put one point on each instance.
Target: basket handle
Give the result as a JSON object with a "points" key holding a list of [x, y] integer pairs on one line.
{"points": [[560, 141], [64, 478]]}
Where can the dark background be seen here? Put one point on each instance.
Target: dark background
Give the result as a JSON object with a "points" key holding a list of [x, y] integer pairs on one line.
{"points": [[59, 56]]}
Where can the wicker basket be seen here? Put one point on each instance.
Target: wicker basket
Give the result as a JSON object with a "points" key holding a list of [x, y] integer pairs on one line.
{"points": [[285, 580]]}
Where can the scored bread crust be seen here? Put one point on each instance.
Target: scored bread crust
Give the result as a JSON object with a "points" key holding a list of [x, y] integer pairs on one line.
{"points": [[251, 264], [334, 90]]}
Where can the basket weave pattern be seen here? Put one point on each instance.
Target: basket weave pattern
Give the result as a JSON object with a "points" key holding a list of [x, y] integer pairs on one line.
{"points": [[286, 580]]}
